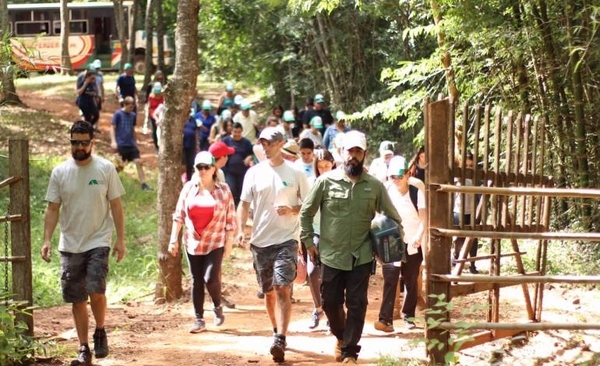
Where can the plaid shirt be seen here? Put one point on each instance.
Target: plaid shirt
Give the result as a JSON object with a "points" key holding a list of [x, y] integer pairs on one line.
{"points": [[215, 233]]}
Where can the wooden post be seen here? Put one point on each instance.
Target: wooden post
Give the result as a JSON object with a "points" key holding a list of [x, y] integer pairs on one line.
{"points": [[20, 231], [437, 127]]}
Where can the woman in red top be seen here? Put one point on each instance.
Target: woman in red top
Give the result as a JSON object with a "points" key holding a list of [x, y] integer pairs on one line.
{"points": [[206, 208], [155, 99]]}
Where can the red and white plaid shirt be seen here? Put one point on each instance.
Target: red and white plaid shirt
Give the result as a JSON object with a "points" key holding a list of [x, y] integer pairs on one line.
{"points": [[215, 233]]}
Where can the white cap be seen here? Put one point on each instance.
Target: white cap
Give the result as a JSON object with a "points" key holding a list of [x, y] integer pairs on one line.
{"points": [[238, 99], [355, 139], [386, 148], [397, 166], [204, 157], [226, 114]]}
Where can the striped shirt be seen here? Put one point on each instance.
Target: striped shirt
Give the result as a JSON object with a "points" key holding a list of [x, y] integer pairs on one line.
{"points": [[223, 221]]}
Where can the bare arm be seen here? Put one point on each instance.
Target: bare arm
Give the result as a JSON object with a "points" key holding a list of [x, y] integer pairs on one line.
{"points": [[116, 208], [50, 222], [242, 217]]}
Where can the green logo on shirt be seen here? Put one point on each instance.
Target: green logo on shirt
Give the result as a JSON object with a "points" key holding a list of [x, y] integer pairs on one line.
{"points": [[93, 182]]}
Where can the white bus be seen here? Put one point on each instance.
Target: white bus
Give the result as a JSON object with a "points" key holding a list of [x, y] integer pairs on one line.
{"points": [[35, 36]]}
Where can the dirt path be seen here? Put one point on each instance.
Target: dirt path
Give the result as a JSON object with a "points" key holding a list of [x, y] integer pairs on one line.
{"points": [[141, 333]]}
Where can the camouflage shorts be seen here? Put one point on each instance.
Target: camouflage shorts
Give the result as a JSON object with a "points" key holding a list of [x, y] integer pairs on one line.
{"points": [[275, 264], [83, 274]]}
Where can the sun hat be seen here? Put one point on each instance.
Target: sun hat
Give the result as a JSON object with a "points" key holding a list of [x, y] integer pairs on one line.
{"points": [[354, 139], [204, 157], [291, 147]]}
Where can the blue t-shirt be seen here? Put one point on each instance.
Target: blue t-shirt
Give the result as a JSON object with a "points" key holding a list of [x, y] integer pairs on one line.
{"points": [[124, 123], [189, 133], [243, 148], [207, 122], [90, 90], [126, 85]]}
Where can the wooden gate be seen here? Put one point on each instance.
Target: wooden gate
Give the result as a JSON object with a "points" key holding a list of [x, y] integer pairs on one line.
{"points": [[514, 193], [16, 262]]}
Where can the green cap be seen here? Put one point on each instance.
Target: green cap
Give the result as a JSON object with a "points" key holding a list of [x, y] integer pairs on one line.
{"points": [[206, 105], [288, 116], [316, 122], [128, 66]]}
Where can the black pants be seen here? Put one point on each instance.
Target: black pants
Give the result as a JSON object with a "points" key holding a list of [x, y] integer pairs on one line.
{"points": [[154, 130], [351, 286], [206, 271], [189, 153], [90, 112], [410, 275]]}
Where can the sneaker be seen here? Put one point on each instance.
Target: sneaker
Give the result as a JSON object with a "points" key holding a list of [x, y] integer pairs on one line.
{"points": [[350, 360], [410, 325], [146, 187], [199, 326], [315, 318], [278, 348], [100, 343], [260, 294], [84, 358], [219, 317], [384, 326], [337, 351]]}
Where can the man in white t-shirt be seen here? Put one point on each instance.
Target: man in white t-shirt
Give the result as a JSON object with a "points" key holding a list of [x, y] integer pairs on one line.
{"points": [[413, 216], [249, 121], [379, 166], [88, 191], [275, 188]]}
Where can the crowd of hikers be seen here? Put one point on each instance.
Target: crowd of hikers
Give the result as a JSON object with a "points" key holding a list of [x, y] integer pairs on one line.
{"points": [[298, 176]]}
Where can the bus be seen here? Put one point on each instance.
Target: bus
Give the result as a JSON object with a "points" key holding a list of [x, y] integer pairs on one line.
{"points": [[35, 37]]}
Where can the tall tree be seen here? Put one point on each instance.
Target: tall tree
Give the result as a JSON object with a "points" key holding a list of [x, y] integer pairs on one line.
{"points": [[178, 94], [121, 27], [149, 30], [8, 91], [160, 34], [65, 58], [135, 16]]}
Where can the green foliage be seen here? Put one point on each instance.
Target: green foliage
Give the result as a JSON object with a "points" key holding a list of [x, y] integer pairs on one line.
{"points": [[15, 345]]}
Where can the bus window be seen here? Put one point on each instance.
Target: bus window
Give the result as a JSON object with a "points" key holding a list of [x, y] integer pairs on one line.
{"points": [[22, 16], [31, 28], [41, 15], [78, 14], [75, 27]]}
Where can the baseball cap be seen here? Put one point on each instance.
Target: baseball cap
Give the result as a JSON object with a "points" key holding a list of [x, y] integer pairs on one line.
{"points": [[91, 70], [229, 87], [226, 114], [157, 88], [204, 157], [288, 116], [271, 134], [97, 63], [291, 147], [246, 105], [220, 149], [206, 105], [238, 99], [397, 166], [316, 122], [128, 66], [340, 116], [354, 139], [319, 98], [386, 148]]}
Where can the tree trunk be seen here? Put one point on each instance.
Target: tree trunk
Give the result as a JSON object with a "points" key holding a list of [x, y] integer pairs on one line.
{"points": [[8, 92], [120, 20], [446, 56], [149, 29], [178, 94], [135, 13], [160, 34], [65, 59]]}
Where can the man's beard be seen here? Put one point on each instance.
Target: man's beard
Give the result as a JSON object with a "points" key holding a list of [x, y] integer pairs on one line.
{"points": [[354, 170], [81, 155]]}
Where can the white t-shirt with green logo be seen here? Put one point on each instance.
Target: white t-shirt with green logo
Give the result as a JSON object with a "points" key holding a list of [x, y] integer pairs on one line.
{"points": [[84, 193]]}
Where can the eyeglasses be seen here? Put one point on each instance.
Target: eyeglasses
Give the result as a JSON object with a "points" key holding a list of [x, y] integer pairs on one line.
{"points": [[396, 177], [203, 167], [84, 143]]}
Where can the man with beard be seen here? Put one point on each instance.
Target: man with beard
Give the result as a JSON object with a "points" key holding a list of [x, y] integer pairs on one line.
{"points": [[75, 186], [348, 199]]}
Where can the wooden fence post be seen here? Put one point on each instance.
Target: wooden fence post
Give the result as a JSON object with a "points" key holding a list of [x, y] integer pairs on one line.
{"points": [[20, 230], [438, 126]]}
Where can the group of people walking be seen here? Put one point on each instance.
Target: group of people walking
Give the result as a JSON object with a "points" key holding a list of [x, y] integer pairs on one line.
{"points": [[302, 180]]}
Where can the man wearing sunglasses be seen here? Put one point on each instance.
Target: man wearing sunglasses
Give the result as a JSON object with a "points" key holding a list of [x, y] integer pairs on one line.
{"points": [[85, 234]]}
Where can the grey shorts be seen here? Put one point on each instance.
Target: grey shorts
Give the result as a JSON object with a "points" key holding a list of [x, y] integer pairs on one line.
{"points": [[83, 274], [275, 265]]}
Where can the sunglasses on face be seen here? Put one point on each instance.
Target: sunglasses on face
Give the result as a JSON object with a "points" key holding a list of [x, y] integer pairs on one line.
{"points": [[84, 143], [203, 167]]}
